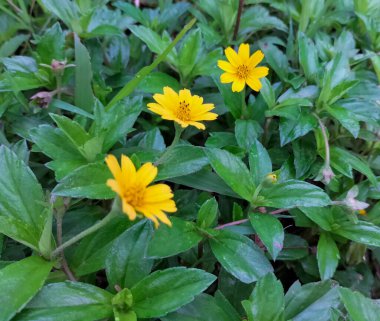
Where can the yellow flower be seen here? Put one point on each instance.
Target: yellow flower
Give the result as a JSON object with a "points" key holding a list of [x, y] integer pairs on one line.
{"points": [[272, 178], [136, 195], [241, 68], [183, 108], [362, 212]]}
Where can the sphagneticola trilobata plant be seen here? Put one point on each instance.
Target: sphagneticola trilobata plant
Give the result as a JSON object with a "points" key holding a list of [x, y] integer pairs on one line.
{"points": [[189, 160]]}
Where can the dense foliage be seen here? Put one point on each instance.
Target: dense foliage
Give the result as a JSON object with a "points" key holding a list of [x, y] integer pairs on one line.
{"points": [[261, 179]]}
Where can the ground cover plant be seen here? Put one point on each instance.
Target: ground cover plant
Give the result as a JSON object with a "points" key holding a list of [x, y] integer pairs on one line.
{"points": [[189, 160]]}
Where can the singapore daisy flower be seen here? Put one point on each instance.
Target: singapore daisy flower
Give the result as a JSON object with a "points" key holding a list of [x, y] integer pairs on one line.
{"points": [[183, 108], [240, 69], [136, 196]]}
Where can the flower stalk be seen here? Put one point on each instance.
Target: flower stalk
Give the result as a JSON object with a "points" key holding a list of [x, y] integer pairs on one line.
{"points": [[113, 213]]}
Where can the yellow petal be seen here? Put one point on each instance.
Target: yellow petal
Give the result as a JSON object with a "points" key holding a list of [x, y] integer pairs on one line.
{"points": [[114, 167], [113, 184], [226, 66], [165, 101], [206, 116], [163, 218], [197, 125], [128, 170], [157, 193], [254, 83], [260, 72], [167, 206], [227, 78], [146, 174], [256, 58], [129, 210], [185, 95], [171, 94], [232, 57], [238, 85], [158, 109], [182, 123], [201, 110], [244, 52]]}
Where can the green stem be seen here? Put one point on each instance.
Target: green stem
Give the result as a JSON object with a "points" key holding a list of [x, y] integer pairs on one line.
{"points": [[178, 131], [326, 140], [131, 85], [244, 110], [84, 233]]}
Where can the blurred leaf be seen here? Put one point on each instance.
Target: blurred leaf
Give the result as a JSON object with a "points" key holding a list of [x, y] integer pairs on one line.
{"points": [[208, 213]]}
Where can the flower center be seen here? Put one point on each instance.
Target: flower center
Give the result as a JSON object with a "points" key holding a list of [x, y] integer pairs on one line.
{"points": [[134, 195], [183, 111], [242, 71]]}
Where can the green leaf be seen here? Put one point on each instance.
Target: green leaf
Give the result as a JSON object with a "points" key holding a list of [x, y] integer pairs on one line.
{"points": [[240, 256], [155, 81], [232, 100], [66, 10], [294, 193], [180, 161], [267, 92], [203, 308], [358, 306], [290, 129], [51, 45], [346, 118], [17, 285], [84, 97], [131, 85], [91, 253], [362, 232], [267, 300], [22, 202], [312, 301], [246, 132], [321, 216], [355, 162], [342, 88], [208, 213], [168, 241], [260, 163], [88, 181], [295, 248], [233, 171], [206, 181], [189, 51], [308, 57], [270, 231], [327, 255], [167, 290], [69, 301], [73, 131], [126, 262]]}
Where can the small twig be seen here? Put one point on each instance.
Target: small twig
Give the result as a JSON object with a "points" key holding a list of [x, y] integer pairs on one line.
{"points": [[220, 227], [237, 25], [14, 7], [65, 266]]}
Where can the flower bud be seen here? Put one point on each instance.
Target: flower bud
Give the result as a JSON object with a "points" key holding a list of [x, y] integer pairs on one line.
{"points": [[43, 98]]}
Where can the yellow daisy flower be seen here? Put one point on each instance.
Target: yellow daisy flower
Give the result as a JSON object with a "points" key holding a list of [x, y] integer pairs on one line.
{"points": [[183, 108], [136, 195], [241, 68]]}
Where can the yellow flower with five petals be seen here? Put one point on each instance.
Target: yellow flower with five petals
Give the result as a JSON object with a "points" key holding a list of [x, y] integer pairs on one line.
{"points": [[183, 108], [135, 194], [240, 69]]}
